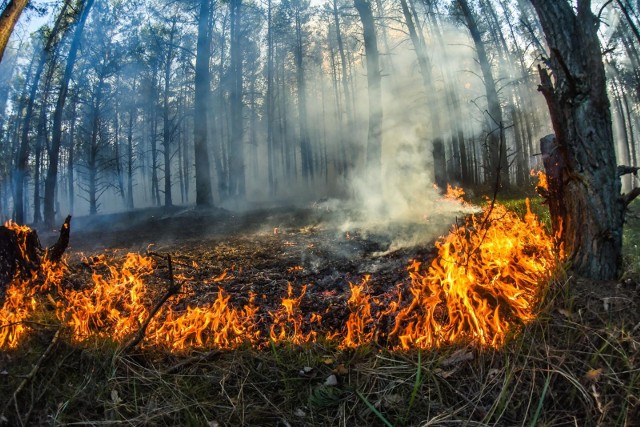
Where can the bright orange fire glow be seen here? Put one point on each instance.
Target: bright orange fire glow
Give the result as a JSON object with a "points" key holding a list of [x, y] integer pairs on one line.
{"points": [[542, 179], [454, 193], [483, 283], [480, 284]]}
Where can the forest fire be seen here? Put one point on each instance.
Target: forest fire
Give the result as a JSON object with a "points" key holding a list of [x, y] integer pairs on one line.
{"points": [[483, 283]]}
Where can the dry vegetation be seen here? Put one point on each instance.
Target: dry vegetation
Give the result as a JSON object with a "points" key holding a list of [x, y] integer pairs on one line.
{"points": [[576, 363]]}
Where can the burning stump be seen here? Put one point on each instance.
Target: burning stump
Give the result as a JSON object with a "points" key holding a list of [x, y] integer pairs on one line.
{"points": [[22, 253]]}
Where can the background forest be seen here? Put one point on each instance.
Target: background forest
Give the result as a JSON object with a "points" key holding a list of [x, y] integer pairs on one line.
{"points": [[107, 105]]}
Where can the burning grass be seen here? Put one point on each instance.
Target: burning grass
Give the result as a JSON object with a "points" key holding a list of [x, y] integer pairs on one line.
{"points": [[334, 356], [482, 284]]}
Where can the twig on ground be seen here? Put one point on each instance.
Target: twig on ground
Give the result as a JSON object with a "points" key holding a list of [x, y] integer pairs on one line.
{"points": [[173, 290]]}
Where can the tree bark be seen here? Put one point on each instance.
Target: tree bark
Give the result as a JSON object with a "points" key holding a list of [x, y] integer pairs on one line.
{"points": [[167, 122], [236, 149], [204, 195], [497, 151], [374, 81], [588, 216], [8, 20], [305, 143], [56, 132], [23, 157]]}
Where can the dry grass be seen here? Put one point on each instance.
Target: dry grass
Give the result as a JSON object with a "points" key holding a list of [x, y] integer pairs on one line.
{"points": [[577, 364]]}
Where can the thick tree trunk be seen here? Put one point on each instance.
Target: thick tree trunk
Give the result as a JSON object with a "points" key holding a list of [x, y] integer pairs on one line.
{"points": [[8, 20], [374, 80], [204, 195], [56, 132], [588, 213]]}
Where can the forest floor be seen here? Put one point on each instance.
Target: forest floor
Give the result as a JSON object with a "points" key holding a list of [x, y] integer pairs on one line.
{"points": [[577, 363]]}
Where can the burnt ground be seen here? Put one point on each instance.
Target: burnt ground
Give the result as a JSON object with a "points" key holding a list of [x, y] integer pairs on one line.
{"points": [[261, 251]]}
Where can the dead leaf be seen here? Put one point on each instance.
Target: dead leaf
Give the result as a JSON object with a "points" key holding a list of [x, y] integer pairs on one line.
{"points": [[392, 400], [565, 313], [115, 398], [305, 371], [299, 413], [594, 374], [341, 370], [328, 361], [462, 355]]}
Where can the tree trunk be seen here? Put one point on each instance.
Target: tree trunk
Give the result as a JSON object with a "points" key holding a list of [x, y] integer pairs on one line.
{"points": [[8, 20], [424, 64], [374, 144], [236, 149], [23, 157], [56, 132], [588, 216], [305, 143], [498, 162], [204, 195], [166, 120]]}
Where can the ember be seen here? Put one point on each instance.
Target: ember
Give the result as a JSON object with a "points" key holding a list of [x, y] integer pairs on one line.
{"points": [[482, 284]]}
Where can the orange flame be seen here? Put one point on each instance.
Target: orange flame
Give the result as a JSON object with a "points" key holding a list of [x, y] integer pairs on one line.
{"points": [[454, 193], [358, 327], [542, 179], [483, 282]]}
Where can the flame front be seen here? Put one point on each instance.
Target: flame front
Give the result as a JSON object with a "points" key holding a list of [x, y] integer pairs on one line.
{"points": [[484, 279], [482, 284]]}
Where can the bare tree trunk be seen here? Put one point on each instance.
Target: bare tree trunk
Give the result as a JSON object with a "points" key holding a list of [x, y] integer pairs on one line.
{"points": [[305, 144], [236, 150], [374, 80], [56, 132], [424, 63], [167, 124], [8, 20], [271, 154], [131, 114], [23, 157], [497, 151], [589, 219], [204, 194], [70, 160], [343, 64]]}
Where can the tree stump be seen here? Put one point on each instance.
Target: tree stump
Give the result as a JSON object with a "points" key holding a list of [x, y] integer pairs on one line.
{"points": [[21, 252]]}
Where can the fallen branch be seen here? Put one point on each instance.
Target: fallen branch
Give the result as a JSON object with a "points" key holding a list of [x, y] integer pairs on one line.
{"points": [[173, 290]]}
